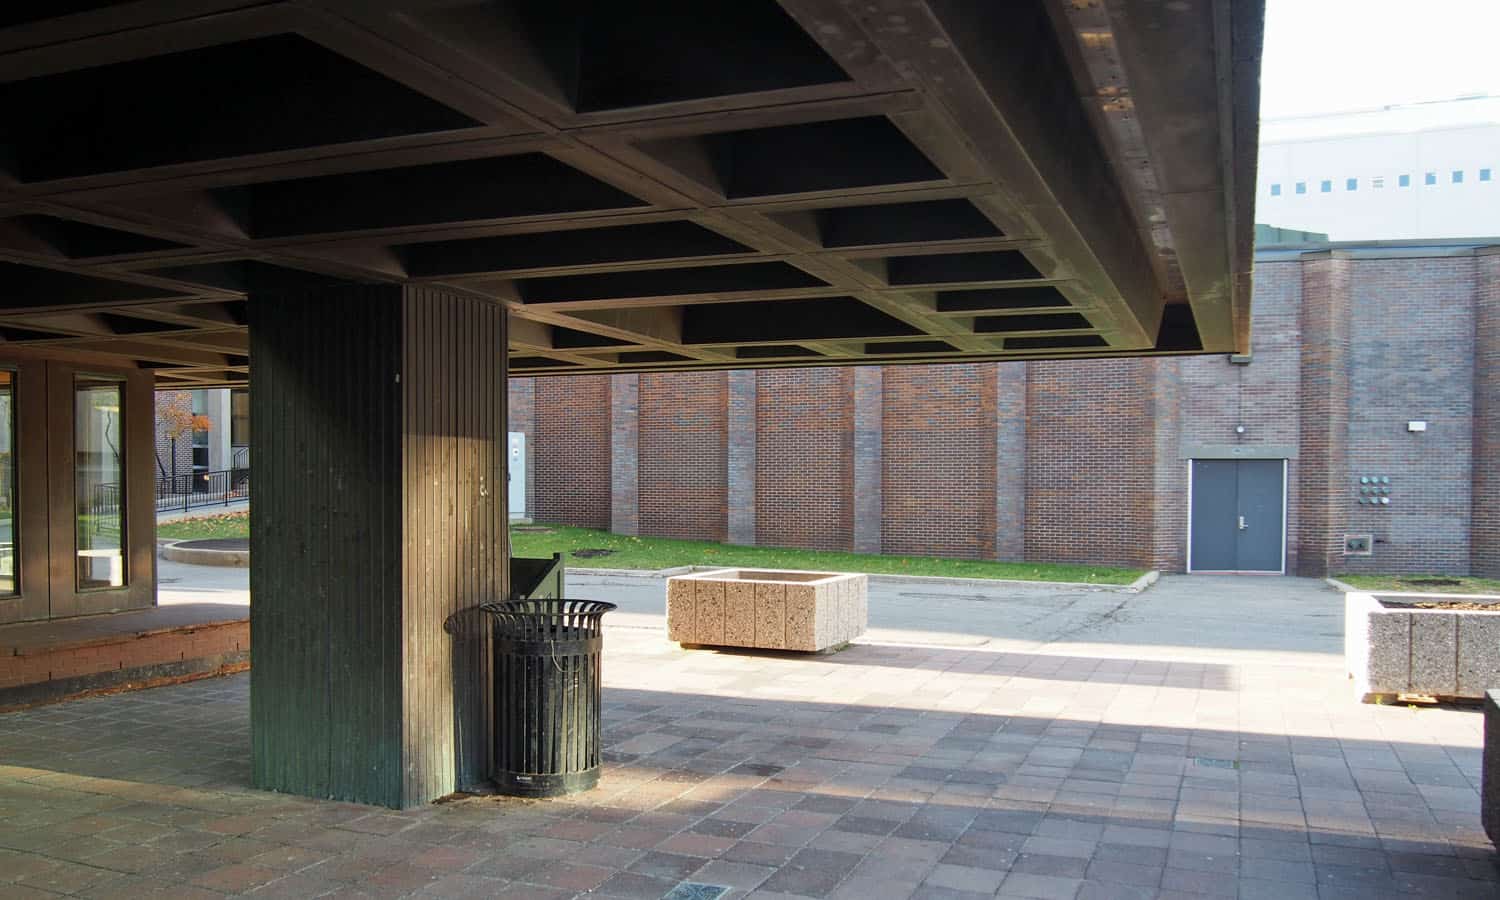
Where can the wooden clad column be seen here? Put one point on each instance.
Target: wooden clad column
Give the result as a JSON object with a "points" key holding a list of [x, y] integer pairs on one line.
{"points": [[380, 513]]}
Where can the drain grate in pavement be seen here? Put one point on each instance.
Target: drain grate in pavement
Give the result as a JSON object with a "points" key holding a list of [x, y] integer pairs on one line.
{"points": [[1211, 763], [696, 890]]}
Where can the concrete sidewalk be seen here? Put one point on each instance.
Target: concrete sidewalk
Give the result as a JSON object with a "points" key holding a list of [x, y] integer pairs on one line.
{"points": [[889, 771], [1264, 620], [1187, 618]]}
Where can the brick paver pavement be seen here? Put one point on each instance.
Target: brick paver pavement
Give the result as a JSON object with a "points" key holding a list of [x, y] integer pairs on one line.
{"points": [[880, 773]]}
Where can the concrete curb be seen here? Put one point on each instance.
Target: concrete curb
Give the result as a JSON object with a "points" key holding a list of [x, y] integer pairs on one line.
{"points": [[1340, 586], [1135, 587], [198, 556]]}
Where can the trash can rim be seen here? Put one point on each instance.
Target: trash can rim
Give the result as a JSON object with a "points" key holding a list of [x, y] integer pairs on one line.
{"points": [[548, 606]]}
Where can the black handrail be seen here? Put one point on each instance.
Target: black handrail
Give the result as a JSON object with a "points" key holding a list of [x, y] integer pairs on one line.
{"points": [[196, 489]]}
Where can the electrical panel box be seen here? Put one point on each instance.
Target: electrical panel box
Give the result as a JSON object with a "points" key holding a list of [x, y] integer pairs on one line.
{"points": [[515, 464]]}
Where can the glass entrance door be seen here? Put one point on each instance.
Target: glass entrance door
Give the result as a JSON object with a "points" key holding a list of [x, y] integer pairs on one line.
{"points": [[99, 480]]}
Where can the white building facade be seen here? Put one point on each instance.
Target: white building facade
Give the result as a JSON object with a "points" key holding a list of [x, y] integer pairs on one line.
{"points": [[1429, 170]]}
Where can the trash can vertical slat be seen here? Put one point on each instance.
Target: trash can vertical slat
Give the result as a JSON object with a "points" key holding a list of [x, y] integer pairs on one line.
{"points": [[547, 695]]}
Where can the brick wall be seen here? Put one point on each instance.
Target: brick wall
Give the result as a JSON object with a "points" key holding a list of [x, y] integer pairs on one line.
{"points": [[1083, 460], [165, 401], [1411, 357], [683, 480], [1089, 466], [573, 450], [1010, 460], [163, 656], [625, 453], [938, 479], [1168, 491], [803, 458], [1485, 522], [1215, 395], [1324, 424]]}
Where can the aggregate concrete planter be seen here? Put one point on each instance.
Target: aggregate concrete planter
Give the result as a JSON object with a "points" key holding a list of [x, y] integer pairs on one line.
{"points": [[210, 552], [1395, 649], [771, 610]]}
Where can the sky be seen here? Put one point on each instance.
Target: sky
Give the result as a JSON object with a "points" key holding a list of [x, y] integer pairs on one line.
{"points": [[1326, 56]]}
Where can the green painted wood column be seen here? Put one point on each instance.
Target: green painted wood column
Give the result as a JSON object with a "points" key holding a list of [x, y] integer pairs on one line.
{"points": [[379, 414]]}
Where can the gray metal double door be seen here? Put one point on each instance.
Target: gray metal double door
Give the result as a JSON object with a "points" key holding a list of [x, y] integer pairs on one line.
{"points": [[1237, 521]]}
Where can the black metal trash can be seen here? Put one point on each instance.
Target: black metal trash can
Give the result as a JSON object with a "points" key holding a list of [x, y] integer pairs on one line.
{"points": [[547, 695]]}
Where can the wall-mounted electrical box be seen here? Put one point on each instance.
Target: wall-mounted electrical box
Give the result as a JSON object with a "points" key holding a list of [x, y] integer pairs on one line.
{"points": [[1358, 544]]}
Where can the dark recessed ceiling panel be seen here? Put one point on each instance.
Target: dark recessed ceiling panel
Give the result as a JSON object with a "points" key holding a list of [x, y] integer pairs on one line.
{"points": [[825, 318], [840, 155], [502, 187], [262, 95], [553, 249], [80, 240], [667, 282], [901, 223], [32, 286], [953, 268], [605, 54]]}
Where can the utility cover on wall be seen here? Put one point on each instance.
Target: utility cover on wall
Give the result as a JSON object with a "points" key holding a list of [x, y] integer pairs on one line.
{"points": [[1358, 544]]}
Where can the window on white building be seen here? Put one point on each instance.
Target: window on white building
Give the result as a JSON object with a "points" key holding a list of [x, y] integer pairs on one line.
{"points": [[1325, 186], [1403, 181], [1458, 176], [1377, 182], [1276, 189], [1351, 184], [1301, 187], [1429, 178], [1484, 174]]}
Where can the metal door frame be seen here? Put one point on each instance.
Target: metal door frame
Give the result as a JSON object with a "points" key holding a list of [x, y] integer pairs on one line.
{"points": [[1189, 538]]}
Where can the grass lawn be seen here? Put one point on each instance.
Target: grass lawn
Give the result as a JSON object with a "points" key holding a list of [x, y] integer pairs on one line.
{"points": [[1423, 584], [661, 553], [225, 525]]}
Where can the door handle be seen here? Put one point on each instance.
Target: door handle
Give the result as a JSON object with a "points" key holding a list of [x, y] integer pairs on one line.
{"points": [[1243, 526]]}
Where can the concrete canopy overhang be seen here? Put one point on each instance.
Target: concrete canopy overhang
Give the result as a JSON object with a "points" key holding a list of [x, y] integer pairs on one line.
{"points": [[645, 186]]}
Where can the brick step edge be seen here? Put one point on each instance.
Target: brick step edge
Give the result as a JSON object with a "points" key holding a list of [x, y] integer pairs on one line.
{"points": [[39, 693]]}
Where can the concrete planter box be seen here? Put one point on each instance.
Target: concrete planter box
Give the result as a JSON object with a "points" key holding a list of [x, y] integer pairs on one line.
{"points": [[770, 610], [1394, 649]]}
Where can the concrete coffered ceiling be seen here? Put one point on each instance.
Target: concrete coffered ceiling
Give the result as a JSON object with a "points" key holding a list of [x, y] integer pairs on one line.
{"points": [[647, 186]]}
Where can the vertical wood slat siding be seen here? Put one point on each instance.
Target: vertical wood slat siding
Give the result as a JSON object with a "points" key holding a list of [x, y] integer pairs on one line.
{"points": [[456, 554], [325, 703]]}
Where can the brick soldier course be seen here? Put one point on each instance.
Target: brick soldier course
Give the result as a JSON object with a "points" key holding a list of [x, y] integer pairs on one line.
{"points": [[1087, 460]]}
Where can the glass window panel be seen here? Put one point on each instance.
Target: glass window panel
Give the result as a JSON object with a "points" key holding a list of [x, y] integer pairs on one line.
{"points": [[99, 478], [10, 561], [239, 421]]}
